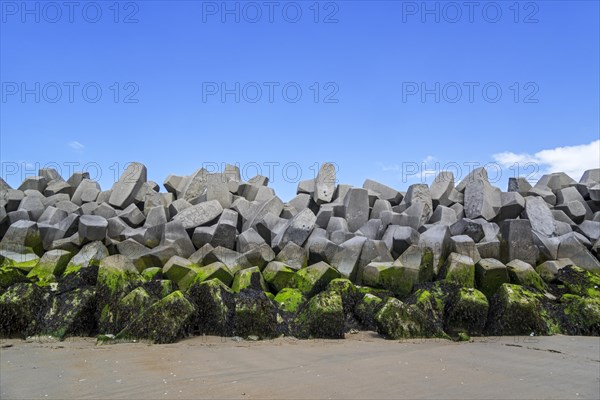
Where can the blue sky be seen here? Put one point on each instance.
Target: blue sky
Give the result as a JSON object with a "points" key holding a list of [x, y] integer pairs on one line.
{"points": [[387, 90]]}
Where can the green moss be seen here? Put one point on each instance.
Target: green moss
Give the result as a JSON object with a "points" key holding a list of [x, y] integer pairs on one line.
{"points": [[72, 269], [426, 270], [163, 322], [462, 274], [249, 278], [430, 304], [365, 310], [42, 277], [323, 317], [397, 320], [166, 288], [581, 315], [152, 273], [114, 281], [290, 300], [216, 270], [580, 282], [489, 279], [214, 307], [431, 300], [70, 313], [131, 306], [371, 299], [255, 315], [381, 293], [463, 337], [467, 312], [26, 265], [9, 276], [186, 281], [90, 255], [518, 311], [314, 279], [278, 275], [395, 278], [19, 309], [346, 289], [528, 278], [177, 268]]}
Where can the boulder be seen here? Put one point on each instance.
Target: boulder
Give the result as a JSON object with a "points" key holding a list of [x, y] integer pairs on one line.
{"points": [[420, 194], [460, 269], [517, 241], [23, 237], [323, 316], [255, 315], [91, 254], [296, 231], [579, 281], [129, 183], [400, 238], [436, 238], [397, 320], [556, 181], [249, 278], [70, 314], [463, 244], [325, 184], [92, 228], [181, 271], [441, 188], [132, 216], [290, 300], [386, 193], [356, 208], [50, 266], [19, 310], [490, 274], [199, 214], [467, 313], [548, 270], [163, 322], [365, 310], [512, 205], [481, 200], [522, 273], [519, 184], [582, 315], [278, 276], [176, 237], [117, 276], [421, 259], [518, 311], [395, 277], [216, 270], [314, 279], [214, 307], [570, 246], [347, 257], [539, 215]]}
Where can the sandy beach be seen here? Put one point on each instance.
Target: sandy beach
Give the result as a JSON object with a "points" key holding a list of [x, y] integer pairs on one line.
{"points": [[360, 367]]}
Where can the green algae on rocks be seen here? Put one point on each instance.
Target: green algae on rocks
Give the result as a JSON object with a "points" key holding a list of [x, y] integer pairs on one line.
{"points": [[163, 322], [397, 320]]}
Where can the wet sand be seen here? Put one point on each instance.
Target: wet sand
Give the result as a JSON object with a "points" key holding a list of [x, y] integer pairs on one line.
{"points": [[362, 366]]}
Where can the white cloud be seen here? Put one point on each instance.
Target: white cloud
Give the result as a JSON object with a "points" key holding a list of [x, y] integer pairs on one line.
{"points": [[75, 145], [573, 160]]}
